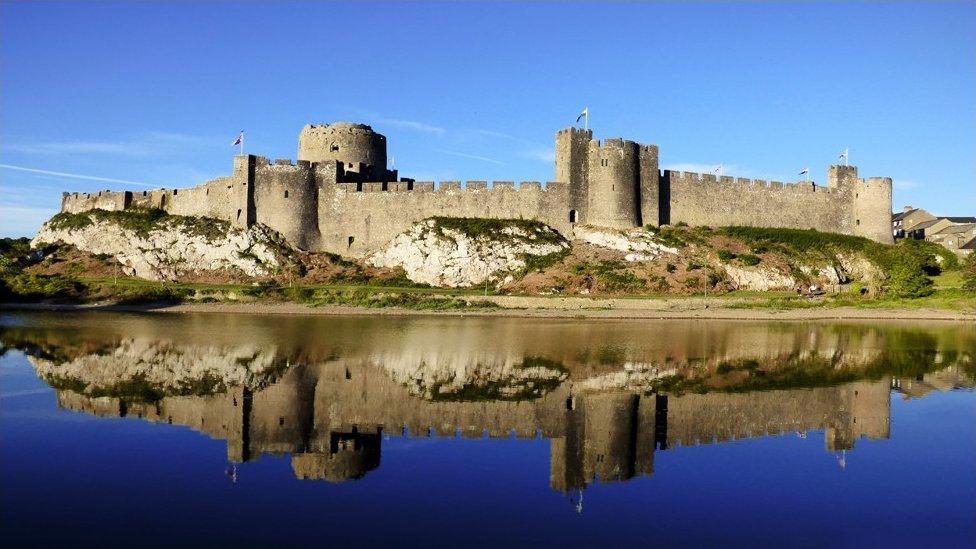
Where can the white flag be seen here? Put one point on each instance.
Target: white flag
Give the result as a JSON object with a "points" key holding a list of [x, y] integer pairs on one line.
{"points": [[718, 169], [843, 154], [239, 140], [805, 171], [586, 113]]}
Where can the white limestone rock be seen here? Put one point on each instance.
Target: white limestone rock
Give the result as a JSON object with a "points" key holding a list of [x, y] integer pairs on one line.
{"points": [[638, 244], [758, 278], [442, 256], [170, 250]]}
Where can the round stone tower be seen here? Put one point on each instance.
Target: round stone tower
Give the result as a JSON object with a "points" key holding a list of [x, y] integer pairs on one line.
{"points": [[360, 150], [613, 180]]}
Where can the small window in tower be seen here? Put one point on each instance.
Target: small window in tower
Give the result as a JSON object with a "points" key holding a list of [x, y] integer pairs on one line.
{"points": [[286, 194], [857, 221], [349, 241], [238, 215], [335, 147], [572, 216]]}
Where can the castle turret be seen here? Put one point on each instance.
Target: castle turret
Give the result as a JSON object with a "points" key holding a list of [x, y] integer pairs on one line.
{"points": [[870, 200], [614, 177], [360, 150], [572, 166]]}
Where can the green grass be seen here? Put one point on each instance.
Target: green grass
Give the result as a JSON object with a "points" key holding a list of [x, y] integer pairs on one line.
{"points": [[142, 222], [476, 227]]}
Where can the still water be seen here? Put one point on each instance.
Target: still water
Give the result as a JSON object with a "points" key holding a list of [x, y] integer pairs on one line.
{"points": [[155, 429]]}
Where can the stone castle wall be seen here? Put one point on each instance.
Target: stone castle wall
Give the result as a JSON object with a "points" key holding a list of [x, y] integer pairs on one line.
{"points": [[326, 201], [354, 222], [698, 199]]}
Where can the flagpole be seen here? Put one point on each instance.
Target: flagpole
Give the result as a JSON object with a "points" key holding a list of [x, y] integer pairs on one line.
{"points": [[586, 119]]}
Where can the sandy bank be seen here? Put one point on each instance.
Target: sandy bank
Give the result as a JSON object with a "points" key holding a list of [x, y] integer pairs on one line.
{"points": [[545, 307]]}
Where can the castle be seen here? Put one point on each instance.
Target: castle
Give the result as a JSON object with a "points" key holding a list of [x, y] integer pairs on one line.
{"points": [[341, 197]]}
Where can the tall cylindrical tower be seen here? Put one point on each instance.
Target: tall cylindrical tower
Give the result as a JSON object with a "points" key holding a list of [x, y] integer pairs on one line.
{"points": [[361, 150], [613, 182]]}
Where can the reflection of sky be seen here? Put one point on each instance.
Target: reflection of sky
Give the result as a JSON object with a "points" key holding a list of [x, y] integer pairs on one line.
{"points": [[101, 480]]}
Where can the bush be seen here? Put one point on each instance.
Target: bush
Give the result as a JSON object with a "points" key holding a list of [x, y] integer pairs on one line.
{"points": [[969, 273], [35, 286], [908, 279], [726, 255], [750, 259], [671, 267]]}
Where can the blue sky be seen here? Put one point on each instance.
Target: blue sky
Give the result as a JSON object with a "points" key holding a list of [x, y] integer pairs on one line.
{"points": [[152, 94]]}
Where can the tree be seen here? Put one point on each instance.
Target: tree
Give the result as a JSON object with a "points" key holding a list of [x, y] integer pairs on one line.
{"points": [[969, 273], [908, 277]]}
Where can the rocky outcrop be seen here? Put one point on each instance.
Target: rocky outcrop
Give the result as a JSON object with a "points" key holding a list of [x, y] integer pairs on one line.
{"points": [[170, 247], [160, 368], [638, 244], [445, 255], [759, 278]]}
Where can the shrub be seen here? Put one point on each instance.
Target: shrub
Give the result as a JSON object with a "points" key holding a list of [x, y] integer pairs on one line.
{"points": [[907, 278], [750, 259], [35, 286], [671, 267], [726, 255], [969, 273]]}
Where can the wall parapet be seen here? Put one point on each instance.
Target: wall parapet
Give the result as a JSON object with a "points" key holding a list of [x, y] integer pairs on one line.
{"points": [[730, 181]]}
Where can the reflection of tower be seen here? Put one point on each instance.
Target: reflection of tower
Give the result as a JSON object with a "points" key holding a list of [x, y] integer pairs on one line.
{"points": [[607, 435], [350, 456], [865, 411]]}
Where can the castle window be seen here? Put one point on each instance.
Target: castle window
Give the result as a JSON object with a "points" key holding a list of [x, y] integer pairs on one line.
{"points": [[238, 215], [176, 192], [286, 194], [281, 422], [857, 221], [572, 216], [335, 147], [349, 241]]}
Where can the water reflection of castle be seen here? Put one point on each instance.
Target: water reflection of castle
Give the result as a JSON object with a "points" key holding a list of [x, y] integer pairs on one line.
{"points": [[331, 418]]}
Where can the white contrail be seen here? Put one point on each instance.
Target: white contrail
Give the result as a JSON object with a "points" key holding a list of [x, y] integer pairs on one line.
{"points": [[76, 176], [465, 155]]}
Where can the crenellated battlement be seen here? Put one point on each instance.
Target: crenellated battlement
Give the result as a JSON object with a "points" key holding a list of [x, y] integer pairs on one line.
{"points": [[692, 178]]}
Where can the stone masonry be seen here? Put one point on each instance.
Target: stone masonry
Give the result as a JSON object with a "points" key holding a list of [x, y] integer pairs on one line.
{"points": [[340, 197]]}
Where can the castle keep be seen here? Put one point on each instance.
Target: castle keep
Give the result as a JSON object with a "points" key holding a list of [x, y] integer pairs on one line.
{"points": [[340, 197]]}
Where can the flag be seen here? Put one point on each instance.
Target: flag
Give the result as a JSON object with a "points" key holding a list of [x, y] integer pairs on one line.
{"points": [[239, 140], [805, 171], [718, 169], [586, 113], [843, 154]]}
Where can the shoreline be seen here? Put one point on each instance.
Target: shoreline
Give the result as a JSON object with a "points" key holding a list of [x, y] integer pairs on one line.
{"points": [[530, 307]]}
